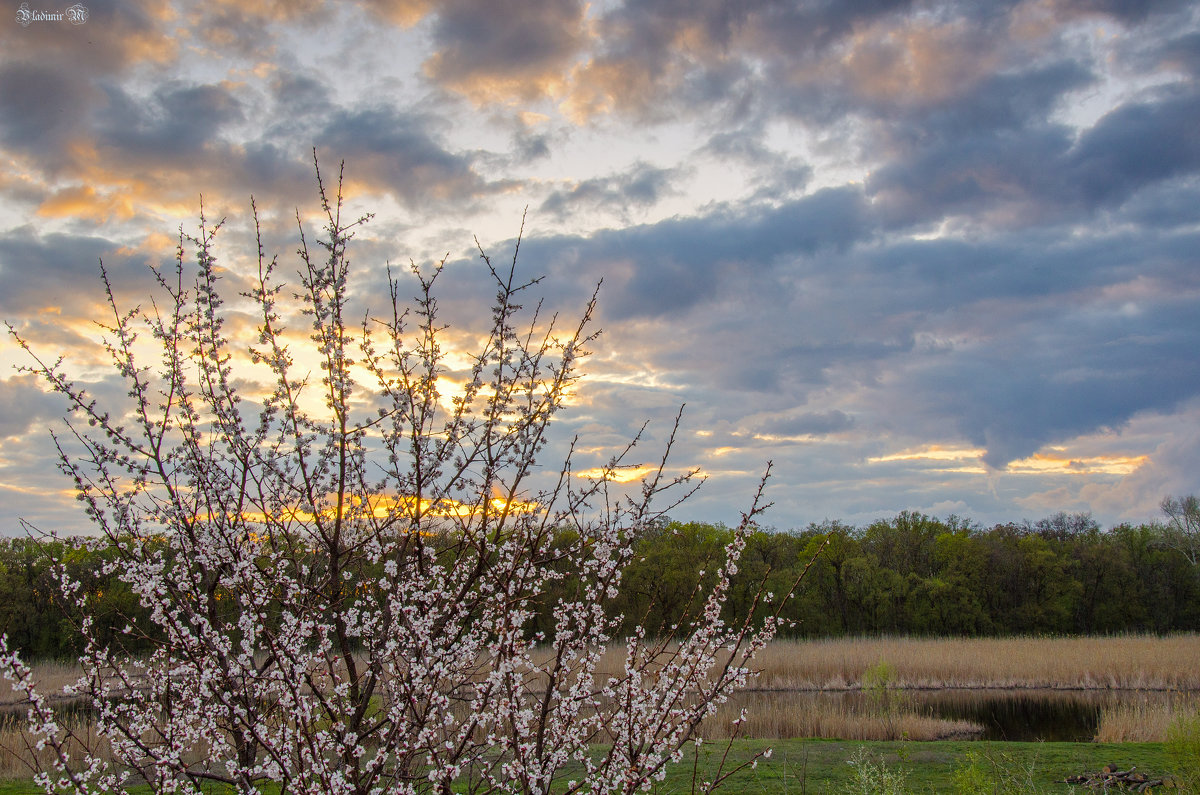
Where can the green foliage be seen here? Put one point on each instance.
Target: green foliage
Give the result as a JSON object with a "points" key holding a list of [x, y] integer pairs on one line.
{"points": [[913, 575], [1183, 749], [879, 683], [872, 776], [33, 614], [991, 772]]}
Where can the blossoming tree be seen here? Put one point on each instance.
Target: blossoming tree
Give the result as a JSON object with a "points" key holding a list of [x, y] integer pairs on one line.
{"points": [[340, 572]]}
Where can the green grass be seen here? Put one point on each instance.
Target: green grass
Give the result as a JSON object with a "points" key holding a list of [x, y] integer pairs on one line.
{"points": [[813, 767], [822, 766]]}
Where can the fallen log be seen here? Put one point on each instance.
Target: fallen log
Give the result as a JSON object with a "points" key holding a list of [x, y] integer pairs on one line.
{"points": [[1111, 777]]}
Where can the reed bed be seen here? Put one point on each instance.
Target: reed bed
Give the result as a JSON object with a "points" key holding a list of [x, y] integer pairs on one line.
{"points": [[1127, 662], [1144, 720], [19, 756], [51, 678], [768, 716]]}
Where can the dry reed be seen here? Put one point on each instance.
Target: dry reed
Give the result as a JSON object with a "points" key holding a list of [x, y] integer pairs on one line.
{"points": [[1144, 720], [50, 677], [770, 717], [20, 758], [1132, 662]]}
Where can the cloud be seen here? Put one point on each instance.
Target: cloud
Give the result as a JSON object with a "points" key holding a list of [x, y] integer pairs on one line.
{"points": [[41, 109], [892, 225], [22, 404], [674, 265], [176, 121], [34, 269], [641, 186], [396, 153], [507, 50], [117, 38], [1070, 361], [809, 423], [1137, 144]]}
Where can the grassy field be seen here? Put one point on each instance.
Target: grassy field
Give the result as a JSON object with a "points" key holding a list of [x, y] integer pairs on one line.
{"points": [[823, 766], [812, 767]]}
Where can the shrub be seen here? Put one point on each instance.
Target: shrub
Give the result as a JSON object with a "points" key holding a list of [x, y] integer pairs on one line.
{"points": [[342, 572]]}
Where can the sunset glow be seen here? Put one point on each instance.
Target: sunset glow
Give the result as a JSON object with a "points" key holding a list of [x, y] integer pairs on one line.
{"points": [[916, 255]]}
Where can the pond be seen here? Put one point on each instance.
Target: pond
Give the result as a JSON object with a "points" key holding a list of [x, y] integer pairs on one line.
{"points": [[1026, 715], [1049, 715]]}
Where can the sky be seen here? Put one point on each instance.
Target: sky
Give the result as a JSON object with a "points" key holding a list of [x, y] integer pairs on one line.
{"points": [[929, 256]]}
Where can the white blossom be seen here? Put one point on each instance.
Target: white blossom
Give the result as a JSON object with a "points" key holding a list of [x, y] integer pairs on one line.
{"points": [[344, 584]]}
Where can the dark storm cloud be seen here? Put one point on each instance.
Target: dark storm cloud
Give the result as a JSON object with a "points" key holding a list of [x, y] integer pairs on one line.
{"points": [[1041, 170], [300, 101], [992, 148], [1068, 338], [1129, 13], [41, 107], [810, 423], [1182, 53], [641, 186], [1006, 102], [396, 152], [1136, 144], [176, 121], [1041, 345], [1072, 377], [674, 265], [61, 270], [1167, 205]]}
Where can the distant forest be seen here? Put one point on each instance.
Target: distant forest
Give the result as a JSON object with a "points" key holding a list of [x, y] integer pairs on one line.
{"points": [[910, 575]]}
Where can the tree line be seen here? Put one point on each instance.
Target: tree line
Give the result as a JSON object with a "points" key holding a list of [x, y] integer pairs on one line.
{"points": [[913, 574]]}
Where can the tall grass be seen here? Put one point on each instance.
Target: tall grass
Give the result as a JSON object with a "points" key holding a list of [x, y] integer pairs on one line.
{"points": [[19, 756], [1134, 662], [1145, 720], [51, 678], [775, 715]]}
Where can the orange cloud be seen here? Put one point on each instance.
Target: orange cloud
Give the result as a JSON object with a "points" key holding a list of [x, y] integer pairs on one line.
{"points": [[503, 53], [404, 13], [84, 201], [921, 62]]}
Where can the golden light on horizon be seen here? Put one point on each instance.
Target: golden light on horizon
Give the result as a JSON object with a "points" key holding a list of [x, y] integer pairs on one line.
{"points": [[1054, 462], [386, 507], [932, 453], [1049, 463], [618, 475]]}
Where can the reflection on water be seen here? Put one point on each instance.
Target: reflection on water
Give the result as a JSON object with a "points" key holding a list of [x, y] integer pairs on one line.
{"points": [[1013, 715], [1024, 715]]}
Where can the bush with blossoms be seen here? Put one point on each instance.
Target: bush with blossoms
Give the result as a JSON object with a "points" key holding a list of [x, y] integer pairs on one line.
{"points": [[338, 573]]}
